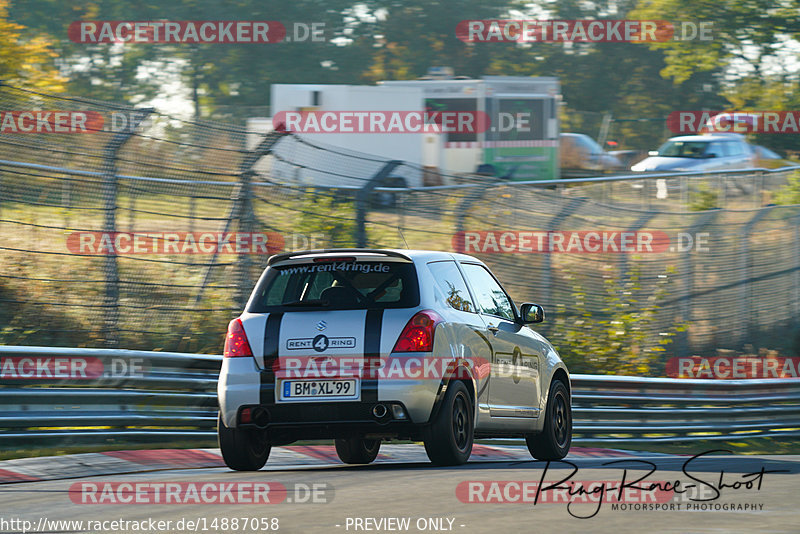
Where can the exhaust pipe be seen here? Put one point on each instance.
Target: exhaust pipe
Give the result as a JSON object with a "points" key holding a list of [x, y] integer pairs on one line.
{"points": [[380, 411], [260, 417]]}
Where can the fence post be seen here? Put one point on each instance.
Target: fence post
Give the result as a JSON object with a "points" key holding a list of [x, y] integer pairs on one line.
{"points": [[688, 272], [246, 218], [640, 222], [66, 199], [131, 211], [746, 292], [552, 225], [109, 330], [796, 269], [241, 207], [469, 199], [362, 199]]}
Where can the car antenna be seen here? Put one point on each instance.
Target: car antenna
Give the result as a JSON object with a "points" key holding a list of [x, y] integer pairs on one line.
{"points": [[399, 231]]}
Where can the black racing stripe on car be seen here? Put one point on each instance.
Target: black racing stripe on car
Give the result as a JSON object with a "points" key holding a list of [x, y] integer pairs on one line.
{"points": [[272, 336], [373, 325]]}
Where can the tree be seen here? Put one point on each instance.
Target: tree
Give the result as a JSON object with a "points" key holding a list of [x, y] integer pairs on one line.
{"points": [[415, 35], [224, 81], [26, 59], [745, 34], [620, 79]]}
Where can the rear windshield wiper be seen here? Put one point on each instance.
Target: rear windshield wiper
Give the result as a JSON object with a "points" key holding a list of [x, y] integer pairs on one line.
{"points": [[309, 302]]}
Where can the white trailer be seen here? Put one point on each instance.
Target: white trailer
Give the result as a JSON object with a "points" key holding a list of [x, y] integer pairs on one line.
{"points": [[521, 144], [343, 164]]}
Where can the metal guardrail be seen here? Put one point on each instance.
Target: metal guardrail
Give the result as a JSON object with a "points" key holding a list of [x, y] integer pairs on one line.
{"points": [[172, 396], [633, 409]]}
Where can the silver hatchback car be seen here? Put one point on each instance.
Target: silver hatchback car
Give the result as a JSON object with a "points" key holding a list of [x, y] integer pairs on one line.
{"points": [[363, 345]]}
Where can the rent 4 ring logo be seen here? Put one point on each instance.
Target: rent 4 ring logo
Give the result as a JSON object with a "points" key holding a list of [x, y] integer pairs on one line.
{"points": [[581, 31]]}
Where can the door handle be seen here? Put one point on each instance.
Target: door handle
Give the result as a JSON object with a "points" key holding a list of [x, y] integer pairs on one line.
{"points": [[493, 329]]}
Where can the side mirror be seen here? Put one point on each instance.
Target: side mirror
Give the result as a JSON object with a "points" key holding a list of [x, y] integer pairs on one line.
{"points": [[653, 153], [531, 313]]}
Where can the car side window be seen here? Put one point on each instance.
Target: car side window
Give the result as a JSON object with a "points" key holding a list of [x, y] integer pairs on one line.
{"points": [[489, 296], [715, 148], [744, 149], [449, 280]]}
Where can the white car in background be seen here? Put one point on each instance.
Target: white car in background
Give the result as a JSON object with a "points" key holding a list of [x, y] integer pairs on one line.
{"points": [[363, 345], [699, 153]]}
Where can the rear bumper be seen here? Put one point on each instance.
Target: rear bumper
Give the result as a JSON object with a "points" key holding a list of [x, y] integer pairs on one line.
{"points": [[242, 384], [293, 421]]}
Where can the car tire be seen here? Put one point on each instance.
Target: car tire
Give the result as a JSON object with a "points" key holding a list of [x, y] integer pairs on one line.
{"points": [[357, 450], [554, 441], [448, 438], [243, 449]]}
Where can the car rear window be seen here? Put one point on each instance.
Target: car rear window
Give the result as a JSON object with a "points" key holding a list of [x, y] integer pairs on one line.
{"points": [[684, 149], [336, 285]]}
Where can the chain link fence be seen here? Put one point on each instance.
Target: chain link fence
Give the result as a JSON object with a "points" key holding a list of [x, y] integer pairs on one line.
{"points": [[135, 229]]}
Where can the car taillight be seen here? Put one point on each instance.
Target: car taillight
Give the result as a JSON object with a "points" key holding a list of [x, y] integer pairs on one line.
{"points": [[236, 344], [417, 336]]}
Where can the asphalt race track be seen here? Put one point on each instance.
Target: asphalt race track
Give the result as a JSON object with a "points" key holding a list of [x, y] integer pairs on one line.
{"points": [[304, 490]]}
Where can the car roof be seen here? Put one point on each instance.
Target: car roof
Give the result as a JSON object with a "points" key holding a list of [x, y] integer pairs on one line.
{"points": [[708, 137], [410, 254]]}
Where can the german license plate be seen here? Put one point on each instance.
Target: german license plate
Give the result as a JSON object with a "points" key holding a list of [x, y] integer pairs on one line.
{"points": [[319, 389]]}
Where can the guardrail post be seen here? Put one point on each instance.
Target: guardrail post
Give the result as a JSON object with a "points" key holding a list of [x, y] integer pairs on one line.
{"points": [[110, 189], [362, 199]]}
